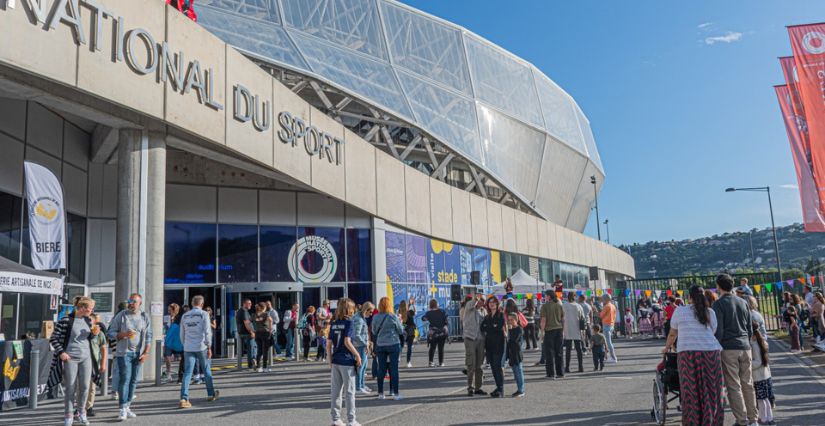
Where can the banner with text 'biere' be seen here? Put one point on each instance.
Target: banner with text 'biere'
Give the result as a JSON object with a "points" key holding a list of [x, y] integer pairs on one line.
{"points": [[811, 214], [808, 43], [47, 223]]}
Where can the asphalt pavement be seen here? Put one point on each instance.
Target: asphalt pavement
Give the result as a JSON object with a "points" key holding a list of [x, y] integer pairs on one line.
{"points": [[298, 394]]}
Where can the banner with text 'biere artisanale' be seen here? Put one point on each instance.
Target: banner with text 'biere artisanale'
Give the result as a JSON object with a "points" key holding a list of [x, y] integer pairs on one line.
{"points": [[811, 215], [808, 43], [47, 223]]}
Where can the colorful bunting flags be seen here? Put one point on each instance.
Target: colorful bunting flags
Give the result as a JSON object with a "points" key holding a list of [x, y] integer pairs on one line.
{"points": [[669, 293], [647, 293], [598, 292], [638, 293], [813, 280], [589, 293], [757, 288], [802, 280], [790, 283], [610, 291], [529, 295], [768, 287], [680, 292]]}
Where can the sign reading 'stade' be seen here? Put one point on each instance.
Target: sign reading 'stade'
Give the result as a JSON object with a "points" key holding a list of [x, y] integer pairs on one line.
{"points": [[143, 55]]}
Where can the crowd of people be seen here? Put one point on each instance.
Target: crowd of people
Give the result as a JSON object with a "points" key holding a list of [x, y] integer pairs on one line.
{"points": [[721, 343]]}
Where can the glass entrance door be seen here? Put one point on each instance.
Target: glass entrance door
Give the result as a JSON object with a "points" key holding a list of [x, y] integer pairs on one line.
{"points": [[333, 293]]}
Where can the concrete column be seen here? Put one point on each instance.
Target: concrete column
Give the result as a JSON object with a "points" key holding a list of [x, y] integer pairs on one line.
{"points": [[141, 225], [379, 260]]}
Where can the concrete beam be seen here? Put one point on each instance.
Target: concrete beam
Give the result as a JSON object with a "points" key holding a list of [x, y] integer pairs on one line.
{"points": [[104, 143]]}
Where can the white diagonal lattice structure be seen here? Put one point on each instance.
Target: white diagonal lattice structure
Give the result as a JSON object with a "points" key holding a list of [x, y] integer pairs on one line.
{"points": [[437, 96]]}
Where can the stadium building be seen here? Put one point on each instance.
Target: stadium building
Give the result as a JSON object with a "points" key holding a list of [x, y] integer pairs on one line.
{"points": [[293, 150]]}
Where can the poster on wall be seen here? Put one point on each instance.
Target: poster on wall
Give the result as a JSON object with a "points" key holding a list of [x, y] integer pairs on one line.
{"points": [[14, 385]]}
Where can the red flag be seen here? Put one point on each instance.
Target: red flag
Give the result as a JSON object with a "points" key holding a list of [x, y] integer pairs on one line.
{"points": [[808, 43], [811, 214], [788, 64]]}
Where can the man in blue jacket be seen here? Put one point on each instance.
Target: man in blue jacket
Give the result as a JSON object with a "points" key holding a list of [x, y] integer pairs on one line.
{"points": [[196, 335]]}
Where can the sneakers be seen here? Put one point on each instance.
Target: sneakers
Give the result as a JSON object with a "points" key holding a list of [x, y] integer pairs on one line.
{"points": [[338, 423], [354, 424], [495, 394], [432, 364], [397, 397], [214, 397], [480, 392], [409, 365], [130, 414], [470, 392], [442, 365], [260, 370], [83, 420], [121, 416], [184, 404], [518, 394], [68, 421], [380, 396], [90, 412], [268, 370], [363, 392], [366, 388]]}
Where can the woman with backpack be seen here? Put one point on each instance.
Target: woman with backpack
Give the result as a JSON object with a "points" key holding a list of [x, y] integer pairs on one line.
{"points": [[438, 331], [386, 328], [307, 327], [406, 314]]}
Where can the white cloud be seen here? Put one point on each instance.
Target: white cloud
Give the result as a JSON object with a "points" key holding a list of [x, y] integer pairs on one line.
{"points": [[704, 26], [789, 186], [730, 37]]}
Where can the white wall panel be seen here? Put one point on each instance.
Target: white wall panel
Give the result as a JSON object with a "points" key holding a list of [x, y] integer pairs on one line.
{"points": [[239, 206], [100, 258], [319, 210], [278, 208], [357, 218], [37, 156], [191, 203], [102, 191]]}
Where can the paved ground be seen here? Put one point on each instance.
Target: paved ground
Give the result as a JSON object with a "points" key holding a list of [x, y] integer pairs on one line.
{"points": [[298, 394]]}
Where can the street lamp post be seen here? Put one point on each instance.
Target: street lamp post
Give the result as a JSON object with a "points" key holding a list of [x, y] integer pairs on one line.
{"points": [[773, 225], [607, 227], [596, 195]]}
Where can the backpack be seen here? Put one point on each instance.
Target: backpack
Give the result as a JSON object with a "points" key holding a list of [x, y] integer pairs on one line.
{"points": [[172, 340], [522, 321], [302, 323]]}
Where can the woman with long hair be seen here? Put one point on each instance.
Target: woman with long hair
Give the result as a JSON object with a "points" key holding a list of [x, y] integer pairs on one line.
{"points": [[263, 331], [323, 318], [363, 344], [762, 383], [437, 332], [172, 345], [699, 359], [344, 360], [529, 312], [308, 330], [407, 318], [387, 328], [494, 328]]}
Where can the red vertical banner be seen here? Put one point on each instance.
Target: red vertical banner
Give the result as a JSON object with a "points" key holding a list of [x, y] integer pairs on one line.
{"points": [[808, 43], [811, 213], [788, 64]]}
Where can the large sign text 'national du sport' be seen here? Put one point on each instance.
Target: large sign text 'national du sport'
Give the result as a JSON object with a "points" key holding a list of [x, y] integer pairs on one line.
{"points": [[138, 48]]}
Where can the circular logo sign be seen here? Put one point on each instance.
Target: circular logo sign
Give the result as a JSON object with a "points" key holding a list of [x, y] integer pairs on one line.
{"points": [[310, 244], [814, 42], [45, 210]]}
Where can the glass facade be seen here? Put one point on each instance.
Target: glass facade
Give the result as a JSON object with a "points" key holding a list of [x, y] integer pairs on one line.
{"points": [[276, 241], [238, 253], [190, 253]]}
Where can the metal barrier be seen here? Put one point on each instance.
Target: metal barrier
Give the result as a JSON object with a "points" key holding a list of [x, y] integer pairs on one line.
{"points": [[456, 331]]}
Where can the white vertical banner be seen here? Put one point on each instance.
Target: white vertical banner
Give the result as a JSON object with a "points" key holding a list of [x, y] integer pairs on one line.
{"points": [[10, 4], [47, 223]]}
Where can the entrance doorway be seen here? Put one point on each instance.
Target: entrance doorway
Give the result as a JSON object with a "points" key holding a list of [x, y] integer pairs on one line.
{"points": [[315, 295]]}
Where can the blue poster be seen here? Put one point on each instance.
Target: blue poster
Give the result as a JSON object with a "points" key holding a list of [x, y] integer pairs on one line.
{"points": [[396, 259]]}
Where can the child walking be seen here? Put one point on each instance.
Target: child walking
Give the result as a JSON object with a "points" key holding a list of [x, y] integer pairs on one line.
{"points": [[343, 360], [514, 354], [597, 344], [762, 383]]}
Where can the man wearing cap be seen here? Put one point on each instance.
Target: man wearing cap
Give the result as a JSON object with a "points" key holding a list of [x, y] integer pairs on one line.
{"points": [[608, 317]]}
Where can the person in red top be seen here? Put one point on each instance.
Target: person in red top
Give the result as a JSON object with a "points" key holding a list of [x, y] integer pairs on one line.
{"points": [[185, 6], [670, 308], [558, 285]]}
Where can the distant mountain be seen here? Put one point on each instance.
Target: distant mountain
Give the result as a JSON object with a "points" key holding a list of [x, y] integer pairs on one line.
{"points": [[751, 251]]}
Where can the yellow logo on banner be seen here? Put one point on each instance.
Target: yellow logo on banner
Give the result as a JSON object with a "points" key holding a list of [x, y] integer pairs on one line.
{"points": [[46, 210], [9, 371], [439, 246]]}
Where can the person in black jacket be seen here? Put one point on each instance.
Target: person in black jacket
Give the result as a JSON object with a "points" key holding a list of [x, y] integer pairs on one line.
{"points": [[514, 354], [438, 331], [74, 357], [495, 333]]}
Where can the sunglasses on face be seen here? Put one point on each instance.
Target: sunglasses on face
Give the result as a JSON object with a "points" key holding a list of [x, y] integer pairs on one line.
{"points": [[132, 301]]}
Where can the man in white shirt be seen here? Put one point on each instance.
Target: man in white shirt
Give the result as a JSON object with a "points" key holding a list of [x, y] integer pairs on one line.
{"points": [[273, 313], [196, 336]]}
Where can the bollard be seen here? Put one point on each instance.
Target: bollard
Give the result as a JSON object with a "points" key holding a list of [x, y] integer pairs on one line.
{"points": [[158, 361], [104, 380], [239, 346], [34, 375]]}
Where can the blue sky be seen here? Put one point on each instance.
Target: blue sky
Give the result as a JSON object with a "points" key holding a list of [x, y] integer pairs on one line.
{"points": [[679, 95]]}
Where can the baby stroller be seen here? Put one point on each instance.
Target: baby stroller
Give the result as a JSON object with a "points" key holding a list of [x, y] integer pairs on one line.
{"points": [[665, 388]]}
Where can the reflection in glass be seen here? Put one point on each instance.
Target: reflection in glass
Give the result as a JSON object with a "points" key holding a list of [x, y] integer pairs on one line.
{"points": [[275, 244], [359, 255], [190, 253], [311, 262], [238, 253], [10, 208]]}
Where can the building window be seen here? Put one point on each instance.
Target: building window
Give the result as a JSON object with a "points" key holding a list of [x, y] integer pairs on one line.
{"points": [[10, 210], [276, 241], [313, 261], [190, 253], [8, 315], [76, 253], [32, 311], [238, 253], [359, 255], [360, 293]]}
